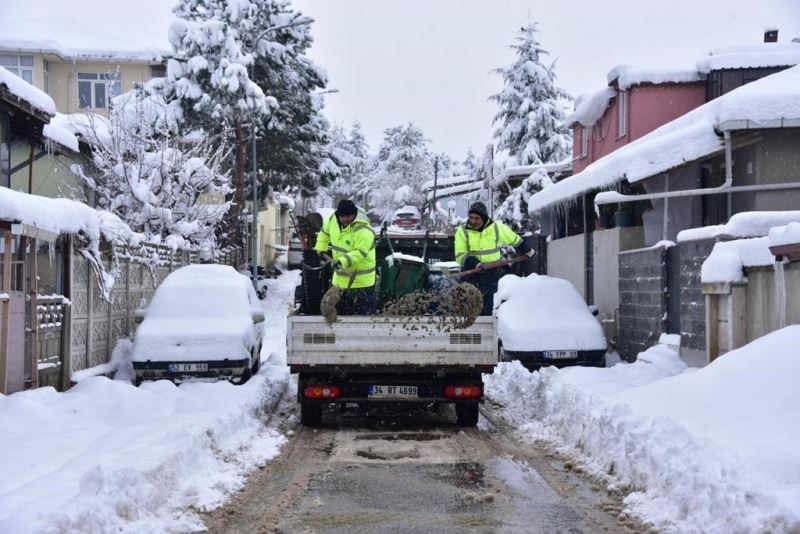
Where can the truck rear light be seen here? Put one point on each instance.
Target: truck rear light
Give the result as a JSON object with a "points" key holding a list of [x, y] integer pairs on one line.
{"points": [[462, 392], [322, 392]]}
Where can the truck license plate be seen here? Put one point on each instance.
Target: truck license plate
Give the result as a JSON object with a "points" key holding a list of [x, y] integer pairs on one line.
{"points": [[188, 367], [397, 392], [560, 354]]}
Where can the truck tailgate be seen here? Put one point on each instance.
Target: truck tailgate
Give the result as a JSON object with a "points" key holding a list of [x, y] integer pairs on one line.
{"points": [[361, 340]]}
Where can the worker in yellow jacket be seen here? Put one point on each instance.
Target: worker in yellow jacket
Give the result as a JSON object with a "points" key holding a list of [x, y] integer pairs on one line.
{"points": [[478, 243], [349, 236]]}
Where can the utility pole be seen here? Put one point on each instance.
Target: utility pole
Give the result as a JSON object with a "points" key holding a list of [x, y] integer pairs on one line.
{"points": [[435, 182]]}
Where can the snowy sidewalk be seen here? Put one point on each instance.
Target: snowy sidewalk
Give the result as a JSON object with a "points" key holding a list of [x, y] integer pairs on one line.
{"points": [[107, 456], [697, 450]]}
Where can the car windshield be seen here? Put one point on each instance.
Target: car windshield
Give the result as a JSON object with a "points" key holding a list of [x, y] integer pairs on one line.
{"points": [[198, 301]]}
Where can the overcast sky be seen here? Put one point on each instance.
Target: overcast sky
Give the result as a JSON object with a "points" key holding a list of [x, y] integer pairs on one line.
{"points": [[429, 61]]}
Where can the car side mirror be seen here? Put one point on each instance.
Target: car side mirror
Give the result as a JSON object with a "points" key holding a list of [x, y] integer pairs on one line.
{"points": [[257, 315], [138, 315]]}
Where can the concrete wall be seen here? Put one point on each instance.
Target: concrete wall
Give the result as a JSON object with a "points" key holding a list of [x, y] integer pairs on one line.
{"points": [[606, 247], [566, 258], [643, 299], [693, 306]]}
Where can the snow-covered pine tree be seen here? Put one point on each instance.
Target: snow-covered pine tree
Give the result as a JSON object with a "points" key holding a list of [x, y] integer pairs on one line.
{"points": [[403, 164], [531, 119], [514, 208], [208, 74], [468, 167], [293, 146], [350, 153]]}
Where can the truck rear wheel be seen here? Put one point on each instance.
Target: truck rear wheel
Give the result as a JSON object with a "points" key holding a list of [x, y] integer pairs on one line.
{"points": [[311, 414], [467, 413]]}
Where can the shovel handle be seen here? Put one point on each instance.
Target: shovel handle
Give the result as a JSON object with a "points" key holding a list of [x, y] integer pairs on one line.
{"points": [[490, 266]]}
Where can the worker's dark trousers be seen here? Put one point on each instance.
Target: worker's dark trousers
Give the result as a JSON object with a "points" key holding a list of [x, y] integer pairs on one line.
{"points": [[357, 302], [486, 282]]}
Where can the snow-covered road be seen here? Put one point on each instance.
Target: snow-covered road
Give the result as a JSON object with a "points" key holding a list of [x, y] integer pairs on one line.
{"points": [[107, 456]]}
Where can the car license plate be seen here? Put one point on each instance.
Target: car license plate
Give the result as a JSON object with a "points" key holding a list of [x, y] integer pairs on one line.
{"points": [[188, 367], [396, 392], [561, 354]]}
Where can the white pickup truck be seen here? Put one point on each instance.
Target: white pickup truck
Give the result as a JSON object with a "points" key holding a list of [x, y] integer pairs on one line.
{"points": [[359, 360]]}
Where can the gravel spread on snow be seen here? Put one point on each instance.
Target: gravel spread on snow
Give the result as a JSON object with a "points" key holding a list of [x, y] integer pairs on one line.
{"points": [[106, 456], [708, 450]]}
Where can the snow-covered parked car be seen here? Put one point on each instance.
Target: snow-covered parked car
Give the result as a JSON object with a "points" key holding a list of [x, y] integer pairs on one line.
{"points": [[544, 321], [204, 321], [407, 218]]}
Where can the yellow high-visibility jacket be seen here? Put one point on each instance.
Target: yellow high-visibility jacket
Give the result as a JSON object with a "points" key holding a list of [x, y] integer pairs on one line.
{"points": [[484, 244], [353, 247]]}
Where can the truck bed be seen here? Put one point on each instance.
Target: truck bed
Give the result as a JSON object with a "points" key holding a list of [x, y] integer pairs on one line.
{"points": [[389, 341]]}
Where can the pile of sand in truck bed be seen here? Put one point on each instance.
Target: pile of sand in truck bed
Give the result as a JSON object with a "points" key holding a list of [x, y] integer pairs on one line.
{"points": [[457, 306]]}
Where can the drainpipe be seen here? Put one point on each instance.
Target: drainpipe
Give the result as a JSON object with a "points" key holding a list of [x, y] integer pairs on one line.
{"points": [[612, 197]]}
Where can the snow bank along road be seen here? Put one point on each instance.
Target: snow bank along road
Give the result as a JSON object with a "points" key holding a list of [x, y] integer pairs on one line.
{"points": [[415, 472]]}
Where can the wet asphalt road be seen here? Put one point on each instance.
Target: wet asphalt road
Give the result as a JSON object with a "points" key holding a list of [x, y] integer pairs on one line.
{"points": [[416, 472]]}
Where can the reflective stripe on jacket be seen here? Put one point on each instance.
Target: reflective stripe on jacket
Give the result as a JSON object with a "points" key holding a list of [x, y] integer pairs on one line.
{"points": [[484, 244], [353, 247]]}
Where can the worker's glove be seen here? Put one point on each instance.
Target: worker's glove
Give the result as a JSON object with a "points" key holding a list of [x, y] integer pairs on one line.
{"points": [[471, 262], [480, 267]]}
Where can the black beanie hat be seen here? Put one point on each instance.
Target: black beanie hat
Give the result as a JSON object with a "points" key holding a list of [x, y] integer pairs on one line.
{"points": [[480, 209], [346, 207]]}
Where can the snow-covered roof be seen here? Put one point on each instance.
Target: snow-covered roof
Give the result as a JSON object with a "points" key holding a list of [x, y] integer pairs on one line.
{"points": [[627, 76], [61, 135], [772, 101], [742, 225], [70, 39], [450, 180], [785, 235], [21, 89], [450, 191], [759, 55], [728, 259], [63, 216], [89, 127], [527, 170], [589, 108]]}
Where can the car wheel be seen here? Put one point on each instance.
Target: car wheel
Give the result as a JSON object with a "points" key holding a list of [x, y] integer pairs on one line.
{"points": [[467, 414], [137, 382], [311, 414]]}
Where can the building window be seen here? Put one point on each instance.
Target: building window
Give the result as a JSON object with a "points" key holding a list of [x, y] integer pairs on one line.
{"points": [[95, 90], [622, 113], [584, 142], [22, 66]]}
